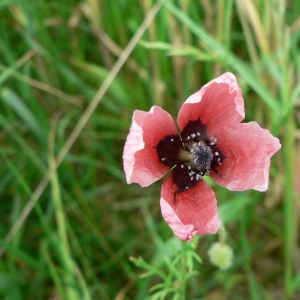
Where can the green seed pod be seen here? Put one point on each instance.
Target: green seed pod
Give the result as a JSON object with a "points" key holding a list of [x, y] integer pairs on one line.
{"points": [[221, 255]]}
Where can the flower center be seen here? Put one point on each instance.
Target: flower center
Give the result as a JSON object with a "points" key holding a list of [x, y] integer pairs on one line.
{"points": [[197, 156], [191, 154]]}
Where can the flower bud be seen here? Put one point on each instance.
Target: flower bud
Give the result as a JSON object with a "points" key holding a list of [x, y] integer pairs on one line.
{"points": [[221, 255]]}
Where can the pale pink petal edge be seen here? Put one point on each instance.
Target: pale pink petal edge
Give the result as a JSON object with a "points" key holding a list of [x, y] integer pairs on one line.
{"points": [[233, 86], [134, 143], [186, 231], [140, 160], [258, 179], [262, 187]]}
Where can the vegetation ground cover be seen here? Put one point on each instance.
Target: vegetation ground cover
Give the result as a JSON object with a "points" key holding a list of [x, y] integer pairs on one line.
{"points": [[80, 232]]}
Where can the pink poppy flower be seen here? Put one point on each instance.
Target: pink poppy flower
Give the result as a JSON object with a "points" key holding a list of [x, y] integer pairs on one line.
{"points": [[211, 142]]}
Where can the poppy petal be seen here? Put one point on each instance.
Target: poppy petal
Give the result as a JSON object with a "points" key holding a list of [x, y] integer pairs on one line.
{"points": [[193, 211], [219, 103], [140, 159], [248, 149]]}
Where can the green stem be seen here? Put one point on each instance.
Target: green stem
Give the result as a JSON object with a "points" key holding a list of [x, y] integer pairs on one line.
{"points": [[222, 234], [288, 208], [183, 273]]}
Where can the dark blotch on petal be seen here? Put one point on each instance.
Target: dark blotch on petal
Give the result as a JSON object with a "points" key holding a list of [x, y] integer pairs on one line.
{"points": [[214, 162], [194, 127], [168, 149], [217, 160], [182, 179]]}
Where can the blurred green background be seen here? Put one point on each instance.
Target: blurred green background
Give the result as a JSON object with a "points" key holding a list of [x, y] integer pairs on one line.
{"points": [[70, 233]]}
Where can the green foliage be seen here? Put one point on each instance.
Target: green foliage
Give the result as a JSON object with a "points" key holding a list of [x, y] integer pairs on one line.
{"points": [[174, 269], [80, 232]]}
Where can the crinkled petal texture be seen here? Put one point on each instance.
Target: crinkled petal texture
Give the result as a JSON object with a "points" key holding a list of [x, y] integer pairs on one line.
{"points": [[248, 149], [219, 103], [141, 162], [194, 212]]}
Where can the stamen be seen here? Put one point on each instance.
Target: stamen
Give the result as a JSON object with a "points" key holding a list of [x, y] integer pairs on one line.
{"points": [[213, 141]]}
